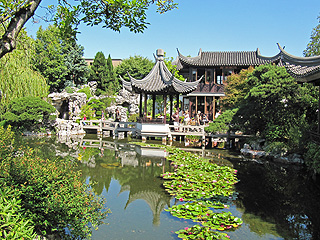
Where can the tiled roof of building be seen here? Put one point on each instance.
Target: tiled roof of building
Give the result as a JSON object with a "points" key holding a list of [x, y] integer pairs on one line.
{"points": [[159, 80], [304, 68], [234, 58]]}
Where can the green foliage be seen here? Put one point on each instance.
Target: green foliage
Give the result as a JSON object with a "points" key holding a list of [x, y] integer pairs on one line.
{"points": [[50, 60], [275, 105], [173, 68], [108, 101], [53, 195], [133, 117], [17, 77], [236, 88], [69, 90], [98, 71], [222, 123], [313, 47], [121, 13], [6, 142], [28, 113], [205, 186], [97, 105], [87, 91], [58, 59], [13, 223], [312, 157], [77, 68], [137, 66]]}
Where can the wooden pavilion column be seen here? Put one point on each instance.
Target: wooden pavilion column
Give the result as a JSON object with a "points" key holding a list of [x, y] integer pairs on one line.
{"points": [[140, 109], [165, 109], [178, 103], [319, 112], [145, 104], [190, 106], [153, 106], [205, 106], [196, 104], [171, 104], [214, 108]]}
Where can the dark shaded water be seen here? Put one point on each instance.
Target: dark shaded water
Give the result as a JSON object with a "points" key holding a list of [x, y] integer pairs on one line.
{"points": [[275, 201]]}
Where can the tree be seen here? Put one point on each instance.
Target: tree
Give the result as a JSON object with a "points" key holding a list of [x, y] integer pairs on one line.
{"points": [[137, 66], [313, 47], [59, 59], [28, 113], [99, 72], [111, 14], [276, 107], [112, 80], [50, 57], [17, 76], [77, 68], [236, 88]]}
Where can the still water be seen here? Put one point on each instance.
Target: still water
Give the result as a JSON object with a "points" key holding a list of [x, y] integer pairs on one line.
{"points": [[275, 201]]}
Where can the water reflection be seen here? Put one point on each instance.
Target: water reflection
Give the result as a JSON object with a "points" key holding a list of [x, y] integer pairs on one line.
{"points": [[136, 169], [275, 201]]}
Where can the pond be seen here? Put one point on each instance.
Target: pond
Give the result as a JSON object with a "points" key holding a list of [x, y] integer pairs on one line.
{"points": [[275, 201]]}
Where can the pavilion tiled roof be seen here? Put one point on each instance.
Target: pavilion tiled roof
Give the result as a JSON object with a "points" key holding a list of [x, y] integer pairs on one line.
{"points": [[232, 58], [304, 68], [159, 80]]}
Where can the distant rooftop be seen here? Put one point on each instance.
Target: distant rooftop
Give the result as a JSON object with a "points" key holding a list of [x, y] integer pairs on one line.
{"points": [[232, 58]]}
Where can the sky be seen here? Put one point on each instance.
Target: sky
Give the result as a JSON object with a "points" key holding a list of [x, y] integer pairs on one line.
{"points": [[212, 25]]}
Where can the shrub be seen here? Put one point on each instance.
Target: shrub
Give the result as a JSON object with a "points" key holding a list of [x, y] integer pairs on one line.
{"points": [[28, 112], [87, 91], [13, 223], [133, 117], [53, 195], [312, 157]]}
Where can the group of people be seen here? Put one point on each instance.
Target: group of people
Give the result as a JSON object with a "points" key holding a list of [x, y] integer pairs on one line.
{"points": [[198, 119]]}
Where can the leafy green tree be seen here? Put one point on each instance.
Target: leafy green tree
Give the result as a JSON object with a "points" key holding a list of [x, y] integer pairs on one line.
{"points": [[110, 14], [313, 48], [50, 60], [222, 123], [28, 113], [17, 76], [276, 104], [137, 66], [236, 88]]}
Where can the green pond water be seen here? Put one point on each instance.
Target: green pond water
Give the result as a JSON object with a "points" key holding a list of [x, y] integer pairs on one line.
{"points": [[275, 201]]}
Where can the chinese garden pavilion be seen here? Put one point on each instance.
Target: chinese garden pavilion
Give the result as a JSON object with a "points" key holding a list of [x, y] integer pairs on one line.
{"points": [[160, 81], [304, 69], [215, 67]]}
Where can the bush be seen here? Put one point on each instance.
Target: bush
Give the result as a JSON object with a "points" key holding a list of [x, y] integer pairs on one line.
{"points": [[53, 195], [312, 157], [13, 223], [133, 117], [28, 113], [87, 91]]}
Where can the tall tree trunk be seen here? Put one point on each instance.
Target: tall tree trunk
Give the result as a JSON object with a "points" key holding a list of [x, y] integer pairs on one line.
{"points": [[9, 38]]}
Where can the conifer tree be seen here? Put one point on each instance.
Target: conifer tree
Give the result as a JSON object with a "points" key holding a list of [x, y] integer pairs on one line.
{"points": [[99, 72]]}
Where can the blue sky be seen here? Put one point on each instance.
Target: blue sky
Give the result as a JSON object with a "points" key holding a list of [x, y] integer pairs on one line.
{"points": [[213, 25]]}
